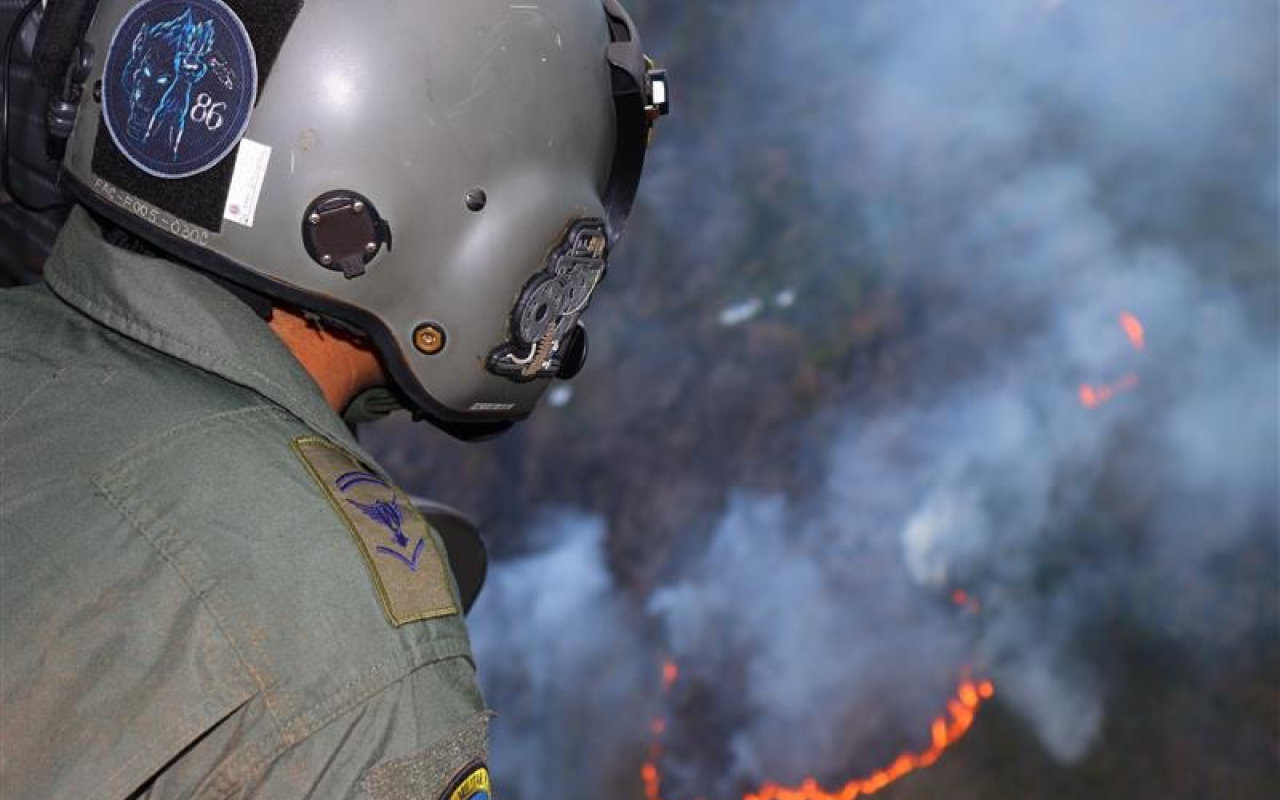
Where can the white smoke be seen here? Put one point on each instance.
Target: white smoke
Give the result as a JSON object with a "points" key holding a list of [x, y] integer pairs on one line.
{"points": [[559, 656], [1022, 172]]}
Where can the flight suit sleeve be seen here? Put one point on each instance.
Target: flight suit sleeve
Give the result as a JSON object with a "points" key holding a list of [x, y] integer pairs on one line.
{"points": [[423, 737]]}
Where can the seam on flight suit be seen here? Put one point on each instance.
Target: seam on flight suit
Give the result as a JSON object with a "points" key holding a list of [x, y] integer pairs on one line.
{"points": [[255, 758], [23, 402], [186, 733], [120, 783], [116, 467], [139, 330], [114, 476]]}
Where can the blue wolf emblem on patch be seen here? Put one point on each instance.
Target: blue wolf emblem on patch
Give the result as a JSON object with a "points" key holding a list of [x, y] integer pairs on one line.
{"points": [[179, 85]]}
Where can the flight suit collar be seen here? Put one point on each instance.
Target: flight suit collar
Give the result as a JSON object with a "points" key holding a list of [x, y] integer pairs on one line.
{"points": [[183, 313]]}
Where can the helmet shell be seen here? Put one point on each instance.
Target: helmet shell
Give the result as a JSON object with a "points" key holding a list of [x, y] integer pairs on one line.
{"points": [[414, 106]]}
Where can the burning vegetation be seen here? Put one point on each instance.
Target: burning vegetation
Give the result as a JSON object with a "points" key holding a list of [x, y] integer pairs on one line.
{"points": [[1094, 395], [946, 730], [956, 350]]}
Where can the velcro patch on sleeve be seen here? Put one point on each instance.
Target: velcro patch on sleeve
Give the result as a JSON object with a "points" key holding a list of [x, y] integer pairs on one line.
{"points": [[452, 768], [472, 785], [406, 564]]}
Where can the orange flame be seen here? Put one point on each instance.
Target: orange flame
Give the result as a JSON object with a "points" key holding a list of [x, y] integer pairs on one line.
{"points": [[946, 730], [963, 599], [1133, 329], [649, 773], [652, 780], [670, 672], [962, 710], [1092, 396]]}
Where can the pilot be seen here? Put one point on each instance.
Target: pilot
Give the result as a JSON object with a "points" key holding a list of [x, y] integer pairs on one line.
{"points": [[285, 212]]}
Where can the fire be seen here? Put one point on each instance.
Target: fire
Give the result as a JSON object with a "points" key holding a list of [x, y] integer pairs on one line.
{"points": [[946, 730], [964, 600], [670, 672], [1133, 329], [652, 780], [1092, 396], [649, 773]]}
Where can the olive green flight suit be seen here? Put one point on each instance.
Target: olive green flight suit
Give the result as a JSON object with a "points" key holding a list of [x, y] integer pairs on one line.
{"points": [[186, 609]]}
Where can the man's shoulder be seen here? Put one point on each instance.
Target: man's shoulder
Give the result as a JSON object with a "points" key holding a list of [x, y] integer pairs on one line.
{"points": [[257, 570], [79, 394], [305, 583]]}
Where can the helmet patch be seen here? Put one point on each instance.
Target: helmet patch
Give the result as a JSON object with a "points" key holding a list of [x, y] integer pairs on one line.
{"points": [[547, 311], [179, 85]]}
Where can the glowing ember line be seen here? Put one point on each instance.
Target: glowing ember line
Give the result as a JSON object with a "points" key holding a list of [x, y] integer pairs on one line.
{"points": [[1092, 396], [649, 773], [945, 731], [962, 710]]}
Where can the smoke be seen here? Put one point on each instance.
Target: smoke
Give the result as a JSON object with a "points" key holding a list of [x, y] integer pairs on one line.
{"points": [[1020, 173], [560, 655]]}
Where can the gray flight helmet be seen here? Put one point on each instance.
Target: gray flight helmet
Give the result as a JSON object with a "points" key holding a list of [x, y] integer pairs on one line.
{"points": [[446, 179]]}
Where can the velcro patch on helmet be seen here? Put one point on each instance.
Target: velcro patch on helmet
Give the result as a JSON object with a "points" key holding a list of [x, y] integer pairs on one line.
{"points": [[395, 541], [200, 198], [179, 85]]}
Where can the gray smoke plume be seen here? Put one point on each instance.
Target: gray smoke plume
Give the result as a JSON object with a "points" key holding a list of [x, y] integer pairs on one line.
{"points": [[560, 657], [1020, 173]]}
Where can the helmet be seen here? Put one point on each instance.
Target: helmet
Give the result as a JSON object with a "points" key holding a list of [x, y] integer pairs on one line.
{"points": [[446, 179]]}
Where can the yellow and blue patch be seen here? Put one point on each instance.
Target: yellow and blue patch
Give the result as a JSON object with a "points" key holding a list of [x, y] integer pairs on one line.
{"points": [[473, 784]]}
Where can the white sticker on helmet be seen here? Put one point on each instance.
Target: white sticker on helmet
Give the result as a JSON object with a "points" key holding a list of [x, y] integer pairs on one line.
{"points": [[246, 182]]}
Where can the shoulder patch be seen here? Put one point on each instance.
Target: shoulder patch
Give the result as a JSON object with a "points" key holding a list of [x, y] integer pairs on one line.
{"points": [[406, 564], [472, 784]]}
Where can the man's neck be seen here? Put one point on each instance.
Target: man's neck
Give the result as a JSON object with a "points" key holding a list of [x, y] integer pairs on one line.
{"points": [[340, 365]]}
